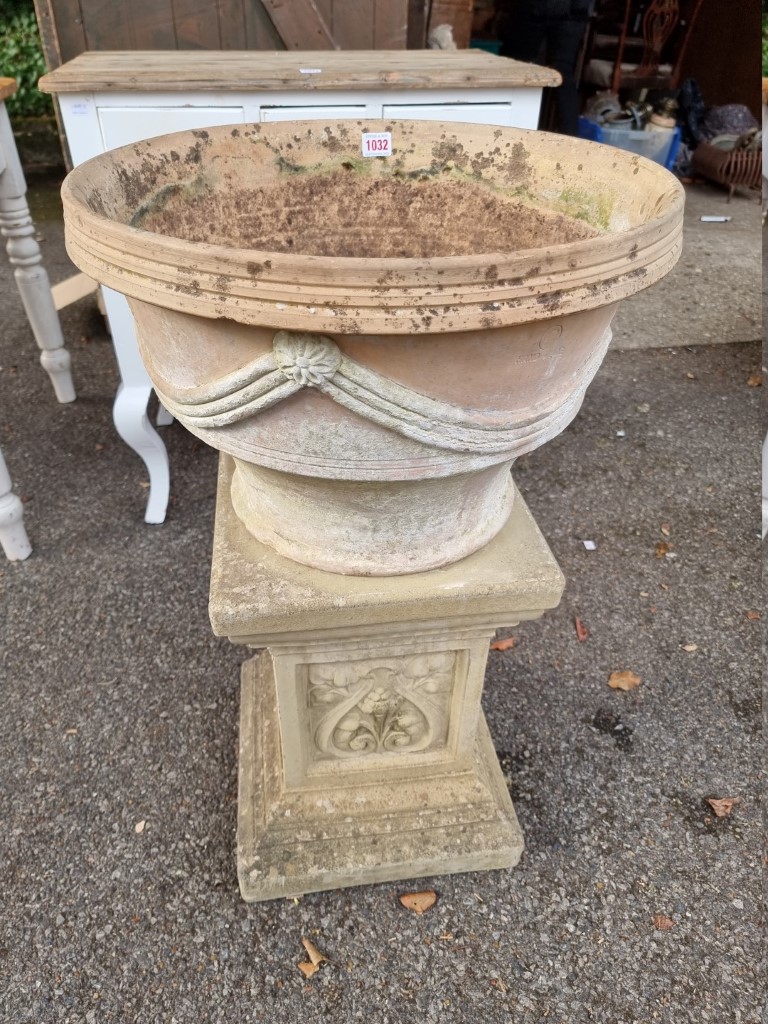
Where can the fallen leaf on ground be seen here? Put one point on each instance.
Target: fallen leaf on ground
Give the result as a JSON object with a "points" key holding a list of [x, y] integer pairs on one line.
{"points": [[666, 529], [724, 806], [581, 630], [754, 616], [662, 549], [139, 827], [662, 923], [623, 680], [755, 379], [308, 969], [418, 902], [313, 952], [504, 645], [690, 648]]}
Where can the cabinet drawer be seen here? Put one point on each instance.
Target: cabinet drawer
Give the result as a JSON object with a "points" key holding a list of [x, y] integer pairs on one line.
{"points": [[472, 113], [120, 126], [311, 113]]}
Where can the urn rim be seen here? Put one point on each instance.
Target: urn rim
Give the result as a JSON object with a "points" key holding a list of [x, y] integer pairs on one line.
{"points": [[387, 295]]}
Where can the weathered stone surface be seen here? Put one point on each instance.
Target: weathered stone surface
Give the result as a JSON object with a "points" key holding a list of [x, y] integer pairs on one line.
{"points": [[371, 384], [374, 341], [372, 455], [364, 756], [376, 826], [257, 596]]}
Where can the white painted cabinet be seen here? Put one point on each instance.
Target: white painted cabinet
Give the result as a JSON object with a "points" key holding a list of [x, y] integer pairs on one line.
{"points": [[114, 99]]}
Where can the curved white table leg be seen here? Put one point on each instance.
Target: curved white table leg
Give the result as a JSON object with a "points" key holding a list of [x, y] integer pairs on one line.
{"points": [[132, 422], [164, 418], [13, 536], [24, 253], [130, 409]]}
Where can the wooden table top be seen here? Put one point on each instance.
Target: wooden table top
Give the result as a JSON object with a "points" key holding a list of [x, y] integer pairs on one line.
{"points": [[245, 70], [8, 87]]}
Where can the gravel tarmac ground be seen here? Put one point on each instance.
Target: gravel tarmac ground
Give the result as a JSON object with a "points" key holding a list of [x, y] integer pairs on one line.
{"points": [[120, 708]]}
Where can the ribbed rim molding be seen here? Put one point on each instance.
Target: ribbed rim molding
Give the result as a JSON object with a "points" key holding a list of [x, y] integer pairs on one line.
{"points": [[388, 296]]}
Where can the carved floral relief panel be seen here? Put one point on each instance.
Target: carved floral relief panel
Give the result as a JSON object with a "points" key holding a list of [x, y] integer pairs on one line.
{"points": [[380, 706]]}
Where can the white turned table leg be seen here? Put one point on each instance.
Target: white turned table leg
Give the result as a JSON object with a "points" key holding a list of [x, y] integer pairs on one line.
{"points": [[13, 536], [25, 256]]}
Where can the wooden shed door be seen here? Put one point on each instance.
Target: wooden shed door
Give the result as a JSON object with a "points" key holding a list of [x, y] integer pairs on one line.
{"points": [[69, 27]]}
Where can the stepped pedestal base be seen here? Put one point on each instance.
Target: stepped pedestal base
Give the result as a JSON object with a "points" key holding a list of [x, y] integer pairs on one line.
{"points": [[361, 830], [364, 755]]}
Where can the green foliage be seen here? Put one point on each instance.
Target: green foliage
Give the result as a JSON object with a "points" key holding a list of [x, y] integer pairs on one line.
{"points": [[21, 57]]}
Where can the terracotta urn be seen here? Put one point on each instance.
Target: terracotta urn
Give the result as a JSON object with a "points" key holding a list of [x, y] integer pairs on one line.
{"points": [[374, 340]]}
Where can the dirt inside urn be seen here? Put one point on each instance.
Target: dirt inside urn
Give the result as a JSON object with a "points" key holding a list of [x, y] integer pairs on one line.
{"points": [[346, 215]]}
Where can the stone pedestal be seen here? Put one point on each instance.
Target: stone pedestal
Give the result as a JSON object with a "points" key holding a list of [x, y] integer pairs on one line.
{"points": [[364, 754]]}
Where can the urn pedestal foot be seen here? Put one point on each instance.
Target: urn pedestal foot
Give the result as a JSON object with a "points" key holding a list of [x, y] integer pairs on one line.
{"points": [[364, 754], [363, 828]]}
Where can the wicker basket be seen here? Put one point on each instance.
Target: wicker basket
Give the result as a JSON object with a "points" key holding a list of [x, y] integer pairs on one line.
{"points": [[729, 167]]}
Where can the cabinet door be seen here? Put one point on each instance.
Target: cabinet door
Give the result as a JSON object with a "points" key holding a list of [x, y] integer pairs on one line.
{"points": [[120, 126], [311, 113]]}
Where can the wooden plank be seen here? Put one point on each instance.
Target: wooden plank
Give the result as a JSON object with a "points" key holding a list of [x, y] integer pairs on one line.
{"points": [[353, 24], [69, 28], [325, 7], [196, 23], [52, 54], [418, 16], [138, 25], [8, 87], [212, 71], [72, 290], [390, 25], [260, 33], [48, 37], [231, 16], [299, 24], [457, 14]]}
